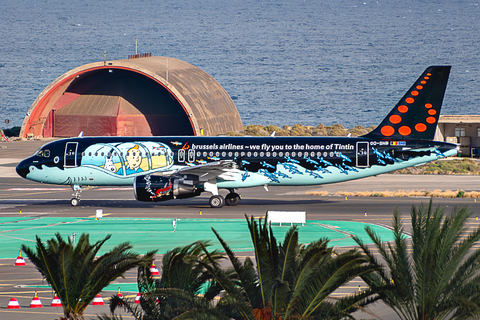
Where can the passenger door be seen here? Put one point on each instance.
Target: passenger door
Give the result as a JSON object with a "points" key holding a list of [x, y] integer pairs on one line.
{"points": [[71, 154]]}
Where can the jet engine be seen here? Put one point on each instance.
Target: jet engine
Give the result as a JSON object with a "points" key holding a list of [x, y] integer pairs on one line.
{"points": [[158, 188]]}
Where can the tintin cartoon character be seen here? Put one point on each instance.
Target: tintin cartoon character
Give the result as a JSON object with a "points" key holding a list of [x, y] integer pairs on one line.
{"points": [[133, 161]]}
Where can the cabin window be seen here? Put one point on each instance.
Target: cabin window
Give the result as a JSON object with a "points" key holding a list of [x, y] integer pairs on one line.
{"points": [[255, 154], [331, 154], [293, 154], [261, 154], [280, 154], [242, 154], [224, 154], [46, 154], [478, 132], [211, 154], [230, 154], [459, 132], [236, 154], [299, 154], [199, 154], [115, 154], [249, 154], [217, 154], [274, 154], [287, 154], [96, 154], [325, 154], [312, 154], [268, 154]]}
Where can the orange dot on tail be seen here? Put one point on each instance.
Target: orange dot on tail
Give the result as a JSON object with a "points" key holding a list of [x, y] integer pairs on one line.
{"points": [[410, 100], [420, 127], [428, 105], [426, 78], [402, 108], [432, 112], [429, 74], [395, 119], [423, 82], [431, 120], [414, 93], [387, 131], [404, 130], [419, 87]]}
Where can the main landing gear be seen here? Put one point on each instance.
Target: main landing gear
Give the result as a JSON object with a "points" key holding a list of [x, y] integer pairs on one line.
{"points": [[75, 201], [231, 199]]}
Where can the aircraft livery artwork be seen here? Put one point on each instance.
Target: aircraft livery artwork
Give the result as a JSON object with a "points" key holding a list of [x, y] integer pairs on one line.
{"points": [[162, 168]]}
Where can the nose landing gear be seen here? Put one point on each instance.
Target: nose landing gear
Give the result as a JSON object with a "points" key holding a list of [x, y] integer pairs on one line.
{"points": [[75, 201]]}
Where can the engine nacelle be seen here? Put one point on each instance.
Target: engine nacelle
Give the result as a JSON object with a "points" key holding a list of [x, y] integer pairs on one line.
{"points": [[157, 188]]}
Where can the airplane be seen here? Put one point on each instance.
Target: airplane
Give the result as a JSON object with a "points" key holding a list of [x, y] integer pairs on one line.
{"points": [[160, 169]]}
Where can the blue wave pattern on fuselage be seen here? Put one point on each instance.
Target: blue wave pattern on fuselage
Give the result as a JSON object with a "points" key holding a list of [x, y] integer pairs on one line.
{"points": [[104, 161]]}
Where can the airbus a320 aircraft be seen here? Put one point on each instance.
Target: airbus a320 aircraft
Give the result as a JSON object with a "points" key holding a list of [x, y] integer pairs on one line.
{"points": [[163, 168]]}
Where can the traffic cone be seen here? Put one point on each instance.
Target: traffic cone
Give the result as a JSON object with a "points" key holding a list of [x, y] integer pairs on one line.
{"points": [[20, 261], [120, 295], [137, 298], [98, 301], [154, 270], [13, 304], [56, 302], [36, 302]]}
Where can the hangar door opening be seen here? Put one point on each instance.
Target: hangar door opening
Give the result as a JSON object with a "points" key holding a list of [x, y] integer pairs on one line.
{"points": [[117, 102]]}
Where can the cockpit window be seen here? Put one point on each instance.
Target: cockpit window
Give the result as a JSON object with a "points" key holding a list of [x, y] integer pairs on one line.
{"points": [[46, 153], [38, 153]]}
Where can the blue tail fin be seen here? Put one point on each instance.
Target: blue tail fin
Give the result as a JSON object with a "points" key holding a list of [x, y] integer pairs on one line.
{"points": [[416, 115]]}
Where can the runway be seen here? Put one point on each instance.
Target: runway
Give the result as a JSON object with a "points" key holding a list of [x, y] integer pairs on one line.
{"points": [[21, 198]]}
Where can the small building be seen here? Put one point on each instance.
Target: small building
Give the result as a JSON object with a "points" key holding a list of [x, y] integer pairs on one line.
{"points": [[143, 95], [461, 129]]}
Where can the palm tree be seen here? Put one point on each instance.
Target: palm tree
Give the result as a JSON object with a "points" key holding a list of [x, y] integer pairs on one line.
{"points": [[76, 274], [184, 290], [438, 277], [290, 281]]}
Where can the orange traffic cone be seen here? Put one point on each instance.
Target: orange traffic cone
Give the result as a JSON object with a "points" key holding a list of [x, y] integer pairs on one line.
{"points": [[56, 302], [137, 298], [98, 301], [120, 295], [154, 270], [20, 261], [36, 302], [13, 304]]}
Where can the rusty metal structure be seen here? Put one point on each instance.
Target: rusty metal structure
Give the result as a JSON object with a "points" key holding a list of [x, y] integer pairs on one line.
{"points": [[143, 95]]}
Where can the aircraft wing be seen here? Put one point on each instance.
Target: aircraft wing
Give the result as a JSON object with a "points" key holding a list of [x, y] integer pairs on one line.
{"points": [[223, 169]]}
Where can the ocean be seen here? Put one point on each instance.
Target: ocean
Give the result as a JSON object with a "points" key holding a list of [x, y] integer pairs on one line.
{"points": [[282, 61]]}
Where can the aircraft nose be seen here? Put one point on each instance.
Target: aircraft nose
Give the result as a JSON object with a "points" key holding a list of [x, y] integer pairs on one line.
{"points": [[22, 168]]}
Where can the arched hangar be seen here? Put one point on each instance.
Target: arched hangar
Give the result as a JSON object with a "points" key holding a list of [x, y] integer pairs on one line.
{"points": [[141, 96]]}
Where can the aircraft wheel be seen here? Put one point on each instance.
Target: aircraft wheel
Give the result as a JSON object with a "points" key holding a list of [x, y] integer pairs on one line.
{"points": [[75, 202], [232, 199], [217, 201]]}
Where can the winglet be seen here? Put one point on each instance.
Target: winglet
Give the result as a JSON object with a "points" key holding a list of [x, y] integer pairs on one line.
{"points": [[415, 116]]}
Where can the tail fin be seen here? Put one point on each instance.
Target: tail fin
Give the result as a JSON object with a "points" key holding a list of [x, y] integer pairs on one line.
{"points": [[416, 115]]}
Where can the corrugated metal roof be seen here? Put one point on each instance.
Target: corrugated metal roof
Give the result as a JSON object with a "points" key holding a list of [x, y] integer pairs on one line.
{"points": [[152, 87]]}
